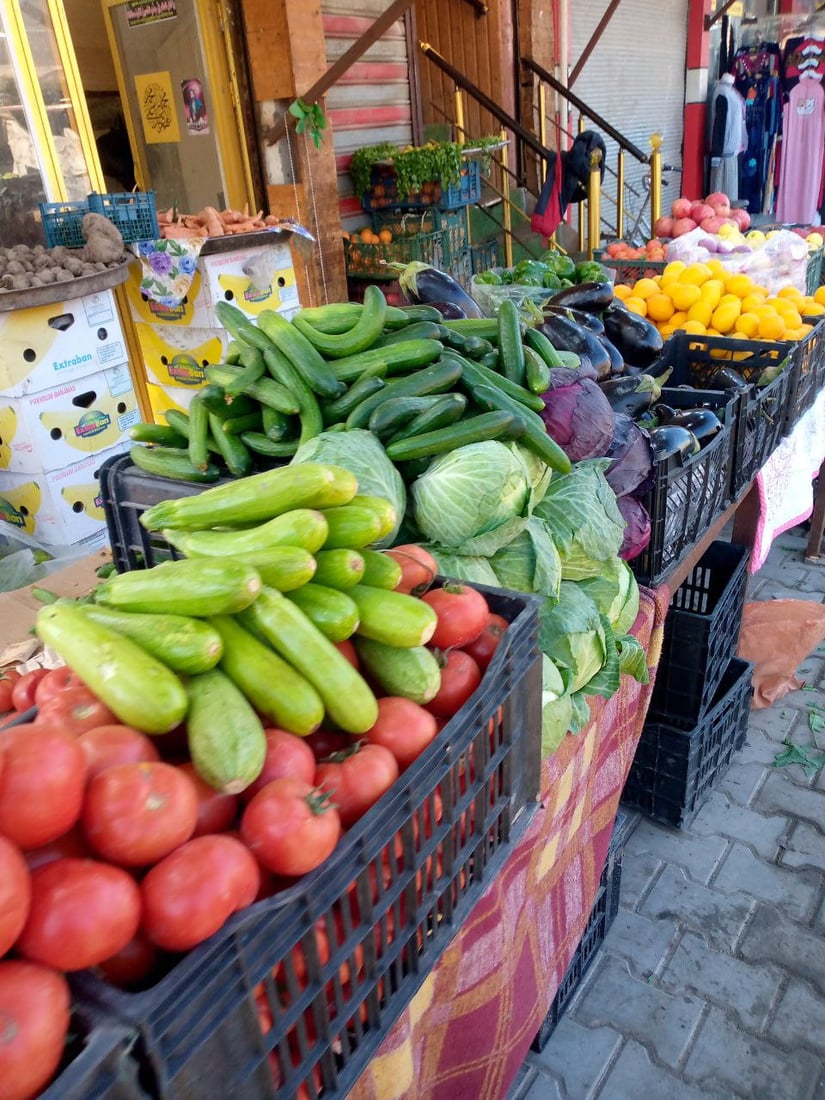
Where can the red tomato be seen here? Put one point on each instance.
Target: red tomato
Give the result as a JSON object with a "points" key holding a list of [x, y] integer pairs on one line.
{"points": [[403, 727], [356, 779], [75, 710], [106, 746], [8, 678], [189, 895], [462, 614], [135, 814], [130, 966], [485, 645], [325, 742], [216, 810], [34, 1023], [460, 676], [291, 827], [348, 650], [286, 755], [22, 695], [82, 912], [55, 681], [418, 568], [15, 895], [70, 845], [41, 784]]}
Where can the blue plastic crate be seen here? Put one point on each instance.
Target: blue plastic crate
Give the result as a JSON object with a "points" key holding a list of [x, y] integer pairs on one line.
{"points": [[133, 212], [452, 197]]}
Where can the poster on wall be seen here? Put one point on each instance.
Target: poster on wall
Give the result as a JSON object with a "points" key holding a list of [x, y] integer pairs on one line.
{"points": [[156, 102], [141, 12], [194, 106]]}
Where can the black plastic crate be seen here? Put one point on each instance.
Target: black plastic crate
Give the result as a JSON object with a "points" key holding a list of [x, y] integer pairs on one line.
{"points": [[98, 1062], [763, 410], [677, 763], [602, 915], [318, 973], [701, 633], [810, 374], [687, 495]]}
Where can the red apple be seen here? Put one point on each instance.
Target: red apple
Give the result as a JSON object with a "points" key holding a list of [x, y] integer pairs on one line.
{"points": [[700, 210], [682, 226], [663, 227], [742, 219], [718, 198], [681, 208], [713, 224]]}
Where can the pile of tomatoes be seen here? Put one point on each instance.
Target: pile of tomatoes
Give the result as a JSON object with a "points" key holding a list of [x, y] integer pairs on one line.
{"points": [[115, 855]]}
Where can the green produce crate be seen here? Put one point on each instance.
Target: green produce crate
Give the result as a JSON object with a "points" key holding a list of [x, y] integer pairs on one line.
{"points": [[372, 259], [813, 272], [484, 256], [451, 224], [383, 192]]}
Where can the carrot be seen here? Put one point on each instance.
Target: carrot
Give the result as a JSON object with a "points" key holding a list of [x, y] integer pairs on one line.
{"points": [[212, 219], [180, 232], [165, 217]]}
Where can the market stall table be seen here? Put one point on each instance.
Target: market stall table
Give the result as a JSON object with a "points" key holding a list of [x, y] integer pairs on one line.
{"points": [[469, 1027]]}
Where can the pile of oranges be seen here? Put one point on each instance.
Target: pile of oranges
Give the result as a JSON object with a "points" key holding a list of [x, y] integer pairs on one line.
{"points": [[653, 251], [707, 299], [368, 236]]}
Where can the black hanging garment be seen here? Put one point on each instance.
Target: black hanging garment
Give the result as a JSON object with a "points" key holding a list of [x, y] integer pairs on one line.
{"points": [[567, 179]]}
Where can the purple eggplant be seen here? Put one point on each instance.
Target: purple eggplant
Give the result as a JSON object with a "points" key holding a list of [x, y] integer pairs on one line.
{"points": [[590, 297], [449, 310], [638, 340], [702, 422], [585, 320], [671, 440], [634, 393], [565, 335], [423, 284], [616, 361]]}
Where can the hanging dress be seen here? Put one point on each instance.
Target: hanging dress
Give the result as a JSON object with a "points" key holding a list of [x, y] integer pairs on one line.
{"points": [[803, 137]]}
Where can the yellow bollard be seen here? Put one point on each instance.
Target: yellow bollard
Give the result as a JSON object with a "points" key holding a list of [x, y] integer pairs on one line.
{"points": [[620, 195], [655, 179], [506, 212], [582, 212], [594, 194]]}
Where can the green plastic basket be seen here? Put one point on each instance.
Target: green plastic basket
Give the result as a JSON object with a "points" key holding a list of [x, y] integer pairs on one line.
{"points": [[372, 259], [813, 272]]}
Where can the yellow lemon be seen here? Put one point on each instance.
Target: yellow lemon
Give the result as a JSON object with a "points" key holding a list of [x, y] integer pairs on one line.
{"points": [[790, 317], [789, 292], [636, 305], [714, 332], [792, 334], [740, 285], [660, 307], [666, 330], [771, 326], [622, 291], [819, 295], [730, 298], [674, 268], [717, 269], [695, 328], [805, 329], [696, 274], [813, 310], [678, 318], [747, 324], [685, 295], [644, 288], [724, 316], [712, 292], [751, 301], [701, 311]]}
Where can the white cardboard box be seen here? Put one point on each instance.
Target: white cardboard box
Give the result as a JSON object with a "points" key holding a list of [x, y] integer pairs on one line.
{"points": [[52, 428], [253, 279], [56, 343], [59, 507], [177, 357]]}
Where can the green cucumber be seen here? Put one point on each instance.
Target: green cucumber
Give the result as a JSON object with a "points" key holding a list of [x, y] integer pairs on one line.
{"points": [[444, 410], [485, 327], [360, 337], [266, 391], [411, 673], [423, 312], [240, 328], [303, 527], [474, 374], [329, 609], [352, 527], [542, 346], [271, 684], [227, 743], [341, 568], [333, 319], [303, 357], [535, 437], [418, 330], [309, 411], [252, 362], [138, 689], [400, 358], [237, 425], [198, 440], [510, 347], [381, 506], [387, 417], [171, 462], [183, 644], [347, 697], [255, 498], [536, 372], [476, 429], [358, 391], [263, 445], [392, 617], [233, 450], [276, 424], [380, 570], [197, 586], [178, 421], [160, 434], [233, 352], [281, 567], [436, 378]]}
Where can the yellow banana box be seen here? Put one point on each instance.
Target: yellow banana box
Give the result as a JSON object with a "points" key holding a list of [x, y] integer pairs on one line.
{"points": [[54, 427], [177, 357], [52, 344], [60, 507], [253, 279], [162, 398], [195, 308]]}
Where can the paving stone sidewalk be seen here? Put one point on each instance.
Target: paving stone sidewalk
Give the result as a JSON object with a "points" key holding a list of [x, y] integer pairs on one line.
{"points": [[711, 981]]}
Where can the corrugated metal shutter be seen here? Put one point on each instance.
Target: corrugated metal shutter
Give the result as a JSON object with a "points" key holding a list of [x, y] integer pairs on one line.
{"points": [[371, 102], [635, 79]]}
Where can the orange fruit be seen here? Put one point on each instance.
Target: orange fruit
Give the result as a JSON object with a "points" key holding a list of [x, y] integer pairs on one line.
{"points": [[725, 315], [695, 328], [819, 295], [747, 325], [385, 236], [771, 326], [644, 288], [712, 292], [685, 295], [622, 291], [695, 274], [636, 305], [739, 284], [700, 311], [660, 307]]}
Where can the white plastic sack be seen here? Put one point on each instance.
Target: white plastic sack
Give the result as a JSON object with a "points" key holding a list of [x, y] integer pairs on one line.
{"points": [[781, 261]]}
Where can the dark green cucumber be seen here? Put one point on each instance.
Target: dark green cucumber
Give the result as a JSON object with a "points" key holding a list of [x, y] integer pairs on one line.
{"points": [[418, 330], [423, 312], [303, 527], [213, 396], [474, 347], [233, 450], [433, 379], [276, 425], [400, 358], [341, 568], [492, 361], [542, 345], [197, 587], [226, 739], [474, 374], [240, 328], [391, 414], [304, 358], [347, 697], [536, 372], [253, 368], [171, 462], [411, 673], [358, 391], [263, 445], [159, 434], [485, 327], [380, 570], [178, 421], [360, 337], [392, 617], [271, 684], [198, 432], [535, 437], [332, 319], [184, 644], [510, 347], [444, 410], [476, 429], [266, 391], [309, 411], [329, 609], [352, 527], [139, 690], [236, 425]]}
